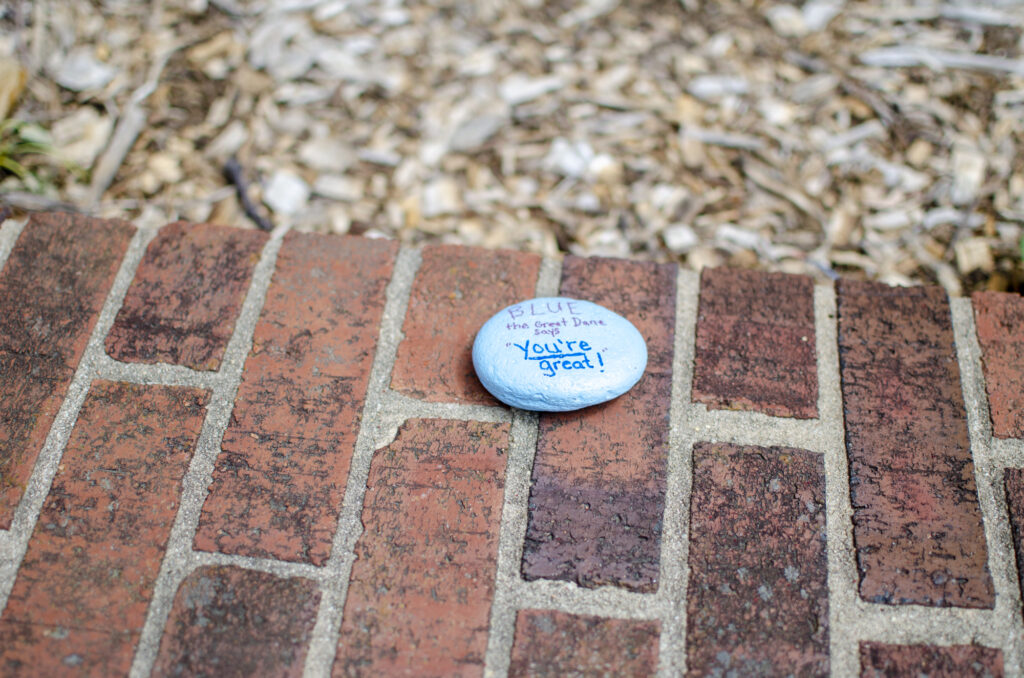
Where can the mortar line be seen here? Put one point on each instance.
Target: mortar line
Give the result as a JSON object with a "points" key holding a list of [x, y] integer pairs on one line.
{"points": [[378, 426], [918, 624], [10, 231], [1006, 452], [988, 474], [394, 401], [160, 373], [675, 548], [841, 567], [514, 514], [922, 624], [549, 278], [603, 601], [45, 468], [179, 558], [754, 428], [279, 568]]}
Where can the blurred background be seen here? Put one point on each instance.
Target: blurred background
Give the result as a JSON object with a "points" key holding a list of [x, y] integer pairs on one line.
{"points": [[874, 139]]}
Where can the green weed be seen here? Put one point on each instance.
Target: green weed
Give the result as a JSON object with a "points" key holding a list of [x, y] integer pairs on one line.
{"points": [[18, 141]]}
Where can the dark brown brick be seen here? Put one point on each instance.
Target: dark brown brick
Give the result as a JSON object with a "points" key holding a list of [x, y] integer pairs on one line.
{"points": [[1013, 480], [227, 621], [80, 597], [280, 479], [755, 343], [52, 289], [917, 525], [598, 491], [457, 289], [419, 598], [556, 644], [999, 319], [181, 307], [757, 602], [956, 661], [32, 388]]}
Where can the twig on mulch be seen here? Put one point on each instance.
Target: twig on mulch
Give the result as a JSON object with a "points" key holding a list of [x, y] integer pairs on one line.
{"points": [[132, 120], [233, 173], [31, 202]]}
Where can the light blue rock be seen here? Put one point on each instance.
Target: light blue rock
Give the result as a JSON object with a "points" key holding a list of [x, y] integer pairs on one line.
{"points": [[557, 354]]}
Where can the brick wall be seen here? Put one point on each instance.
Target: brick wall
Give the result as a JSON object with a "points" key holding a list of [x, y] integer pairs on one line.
{"points": [[230, 453]]}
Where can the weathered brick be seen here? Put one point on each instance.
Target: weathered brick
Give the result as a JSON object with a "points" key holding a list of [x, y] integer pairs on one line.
{"points": [[917, 525], [1013, 480], [457, 289], [555, 644], [80, 597], [755, 343], [228, 621], [955, 661], [280, 479], [181, 307], [598, 493], [419, 597], [757, 602], [999, 319], [51, 291]]}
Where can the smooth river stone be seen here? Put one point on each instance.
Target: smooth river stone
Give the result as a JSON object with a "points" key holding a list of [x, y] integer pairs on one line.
{"points": [[557, 354]]}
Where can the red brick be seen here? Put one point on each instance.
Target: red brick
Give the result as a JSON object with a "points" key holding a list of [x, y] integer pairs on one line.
{"points": [[755, 343], [549, 643], [228, 621], [956, 661], [917, 526], [419, 597], [279, 481], [81, 594], [598, 493], [52, 289], [1013, 481], [457, 289], [757, 602], [181, 307], [999, 319]]}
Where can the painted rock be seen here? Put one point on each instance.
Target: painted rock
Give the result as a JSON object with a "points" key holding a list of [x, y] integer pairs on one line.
{"points": [[557, 354]]}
